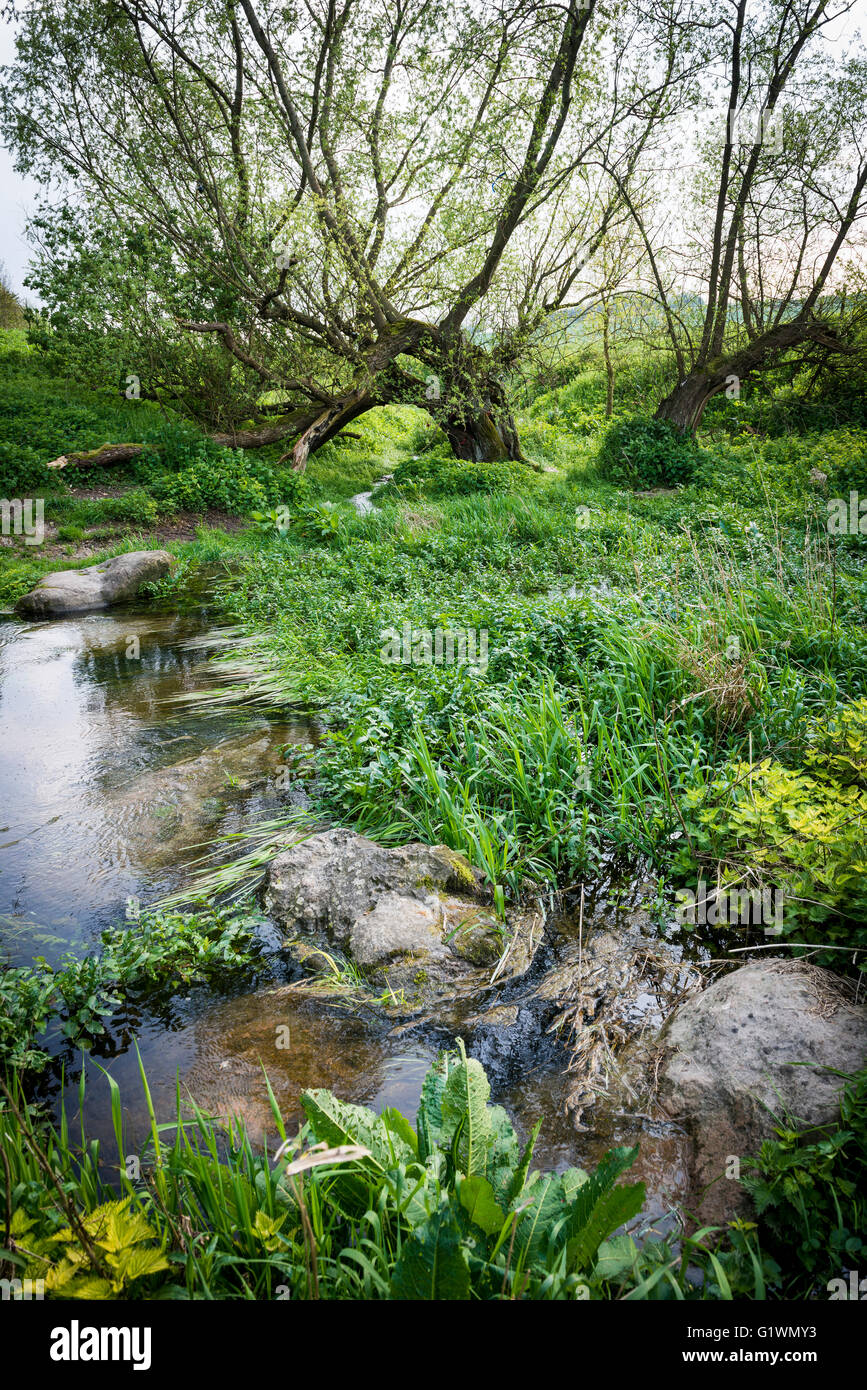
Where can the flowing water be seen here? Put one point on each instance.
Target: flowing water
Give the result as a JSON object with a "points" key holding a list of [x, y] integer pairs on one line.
{"points": [[108, 790]]}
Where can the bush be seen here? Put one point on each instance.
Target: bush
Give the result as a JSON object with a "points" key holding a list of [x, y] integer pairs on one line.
{"points": [[638, 452], [22, 474], [439, 476], [184, 470], [803, 832], [810, 1192], [164, 952], [135, 506]]}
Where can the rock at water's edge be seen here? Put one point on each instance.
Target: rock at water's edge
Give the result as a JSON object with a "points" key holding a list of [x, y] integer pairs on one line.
{"points": [[413, 910], [731, 1074], [97, 586]]}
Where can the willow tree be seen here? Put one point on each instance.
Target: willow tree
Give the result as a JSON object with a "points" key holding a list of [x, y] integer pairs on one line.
{"points": [[759, 227], [359, 201]]}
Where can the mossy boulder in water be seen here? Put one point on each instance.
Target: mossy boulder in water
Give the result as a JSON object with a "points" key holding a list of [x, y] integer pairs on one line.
{"points": [[394, 912]]}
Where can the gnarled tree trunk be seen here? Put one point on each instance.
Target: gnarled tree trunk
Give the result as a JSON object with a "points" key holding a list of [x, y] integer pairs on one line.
{"points": [[479, 438], [480, 428], [683, 406]]}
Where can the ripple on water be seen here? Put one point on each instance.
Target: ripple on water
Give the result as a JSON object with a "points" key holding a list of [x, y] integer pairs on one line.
{"points": [[106, 790]]}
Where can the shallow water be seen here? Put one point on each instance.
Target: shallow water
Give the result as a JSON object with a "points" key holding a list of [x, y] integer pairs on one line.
{"points": [[104, 794], [108, 790]]}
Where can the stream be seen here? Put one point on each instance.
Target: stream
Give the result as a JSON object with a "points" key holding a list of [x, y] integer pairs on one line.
{"points": [[109, 789]]}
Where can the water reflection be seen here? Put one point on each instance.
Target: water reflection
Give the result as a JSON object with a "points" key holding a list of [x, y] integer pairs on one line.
{"points": [[105, 789]]}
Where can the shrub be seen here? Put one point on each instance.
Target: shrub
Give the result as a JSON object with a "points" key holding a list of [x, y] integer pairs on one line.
{"points": [[440, 476], [810, 1193], [22, 473], [803, 832], [186, 471], [639, 452], [164, 951], [135, 505]]}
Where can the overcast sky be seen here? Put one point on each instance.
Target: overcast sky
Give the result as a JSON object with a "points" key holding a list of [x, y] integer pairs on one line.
{"points": [[18, 195]]}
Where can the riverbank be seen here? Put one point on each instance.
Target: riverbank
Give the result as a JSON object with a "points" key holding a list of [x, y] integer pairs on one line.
{"points": [[637, 691]]}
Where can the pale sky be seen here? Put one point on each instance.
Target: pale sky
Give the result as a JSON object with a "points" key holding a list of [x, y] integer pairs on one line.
{"points": [[18, 195]]}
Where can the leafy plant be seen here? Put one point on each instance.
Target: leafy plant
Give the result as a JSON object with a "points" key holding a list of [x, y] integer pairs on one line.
{"points": [[810, 1193], [478, 1221], [163, 952], [26, 1005], [120, 1242], [358, 1205], [640, 452]]}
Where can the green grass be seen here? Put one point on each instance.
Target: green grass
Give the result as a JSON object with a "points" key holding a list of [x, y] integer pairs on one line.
{"points": [[675, 681]]}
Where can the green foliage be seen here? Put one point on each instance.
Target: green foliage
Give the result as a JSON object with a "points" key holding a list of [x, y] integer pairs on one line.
{"points": [[804, 831], [642, 453], [172, 950], [121, 1240], [808, 1189], [184, 470], [11, 311], [380, 1214], [134, 506], [26, 1005], [160, 953], [386, 1211], [438, 474], [43, 417], [810, 1193]]}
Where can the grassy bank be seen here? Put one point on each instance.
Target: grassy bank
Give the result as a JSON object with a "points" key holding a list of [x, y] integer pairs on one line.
{"points": [[624, 652]]}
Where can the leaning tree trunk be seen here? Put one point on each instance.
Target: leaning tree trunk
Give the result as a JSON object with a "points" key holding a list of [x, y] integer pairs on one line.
{"points": [[683, 407]]}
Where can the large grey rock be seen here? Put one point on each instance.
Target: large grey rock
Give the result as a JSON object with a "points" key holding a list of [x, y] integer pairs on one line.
{"points": [[414, 909], [733, 1072], [398, 925], [97, 586]]}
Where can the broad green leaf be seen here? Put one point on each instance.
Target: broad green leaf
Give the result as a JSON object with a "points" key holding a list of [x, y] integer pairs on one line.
{"points": [[135, 1263], [615, 1256], [478, 1201], [466, 1120], [583, 1199], [609, 1212], [519, 1177], [545, 1212], [429, 1121], [397, 1124], [431, 1266], [337, 1122]]}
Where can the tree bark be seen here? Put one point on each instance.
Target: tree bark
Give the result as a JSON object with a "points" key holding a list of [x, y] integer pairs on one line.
{"points": [[330, 422], [683, 407], [478, 438]]}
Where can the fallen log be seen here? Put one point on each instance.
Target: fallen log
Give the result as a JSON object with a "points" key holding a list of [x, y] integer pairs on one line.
{"points": [[107, 454], [104, 456]]}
